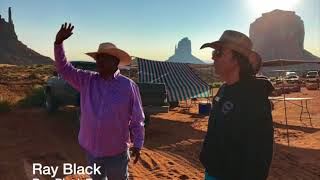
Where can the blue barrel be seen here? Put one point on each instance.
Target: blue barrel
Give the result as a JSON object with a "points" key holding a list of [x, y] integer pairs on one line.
{"points": [[204, 108]]}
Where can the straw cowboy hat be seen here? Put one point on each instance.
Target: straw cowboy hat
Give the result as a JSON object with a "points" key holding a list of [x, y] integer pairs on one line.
{"points": [[240, 43], [111, 49]]}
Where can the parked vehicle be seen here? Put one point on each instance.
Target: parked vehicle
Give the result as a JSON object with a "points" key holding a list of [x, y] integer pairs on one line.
{"points": [[291, 73], [58, 92], [313, 76], [289, 77], [279, 80], [292, 78]]}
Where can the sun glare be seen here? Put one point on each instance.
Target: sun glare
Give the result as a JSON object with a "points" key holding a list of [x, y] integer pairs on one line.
{"points": [[262, 6]]}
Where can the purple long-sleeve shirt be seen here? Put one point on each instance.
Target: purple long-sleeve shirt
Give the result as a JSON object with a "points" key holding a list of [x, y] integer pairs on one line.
{"points": [[109, 109]]}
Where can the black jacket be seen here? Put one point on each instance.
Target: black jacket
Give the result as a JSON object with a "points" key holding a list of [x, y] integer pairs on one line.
{"points": [[239, 140]]}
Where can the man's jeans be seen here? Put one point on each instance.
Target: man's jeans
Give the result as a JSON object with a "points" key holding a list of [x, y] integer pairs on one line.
{"points": [[112, 168]]}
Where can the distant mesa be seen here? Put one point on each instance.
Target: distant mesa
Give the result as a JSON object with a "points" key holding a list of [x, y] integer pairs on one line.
{"points": [[280, 35], [183, 53], [13, 51]]}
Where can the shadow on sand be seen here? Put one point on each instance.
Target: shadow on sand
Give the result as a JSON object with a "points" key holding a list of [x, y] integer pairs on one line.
{"points": [[297, 128], [294, 163]]}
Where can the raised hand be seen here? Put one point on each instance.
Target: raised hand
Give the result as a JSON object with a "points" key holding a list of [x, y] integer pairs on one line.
{"points": [[64, 33]]}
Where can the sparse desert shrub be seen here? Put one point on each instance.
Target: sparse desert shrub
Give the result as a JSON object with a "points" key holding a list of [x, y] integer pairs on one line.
{"points": [[33, 76], [34, 98], [5, 105]]}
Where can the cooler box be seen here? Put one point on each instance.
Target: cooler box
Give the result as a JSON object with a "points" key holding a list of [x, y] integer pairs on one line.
{"points": [[204, 108]]}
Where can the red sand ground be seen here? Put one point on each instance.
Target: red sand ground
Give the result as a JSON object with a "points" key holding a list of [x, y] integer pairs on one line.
{"points": [[173, 142]]}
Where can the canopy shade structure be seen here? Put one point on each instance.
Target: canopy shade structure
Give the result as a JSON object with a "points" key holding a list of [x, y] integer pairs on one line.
{"points": [[286, 62], [181, 82]]}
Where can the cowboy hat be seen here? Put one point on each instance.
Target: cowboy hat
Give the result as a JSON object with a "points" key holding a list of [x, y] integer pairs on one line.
{"points": [[111, 49], [238, 42]]}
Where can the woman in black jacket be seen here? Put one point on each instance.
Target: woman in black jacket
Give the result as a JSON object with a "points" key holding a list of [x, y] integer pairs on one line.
{"points": [[239, 141]]}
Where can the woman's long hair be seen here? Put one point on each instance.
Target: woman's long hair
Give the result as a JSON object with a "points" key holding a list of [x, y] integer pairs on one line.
{"points": [[246, 70]]}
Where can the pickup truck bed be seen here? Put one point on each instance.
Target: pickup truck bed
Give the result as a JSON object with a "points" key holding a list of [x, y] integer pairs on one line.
{"points": [[154, 99]]}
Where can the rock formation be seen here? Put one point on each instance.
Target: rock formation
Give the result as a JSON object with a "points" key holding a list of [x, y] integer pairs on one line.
{"points": [[279, 35], [13, 51], [183, 53]]}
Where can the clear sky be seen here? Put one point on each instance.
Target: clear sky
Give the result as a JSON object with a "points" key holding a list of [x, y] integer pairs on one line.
{"points": [[147, 28]]}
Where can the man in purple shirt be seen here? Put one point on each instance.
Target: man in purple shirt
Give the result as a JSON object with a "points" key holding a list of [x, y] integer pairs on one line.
{"points": [[111, 108]]}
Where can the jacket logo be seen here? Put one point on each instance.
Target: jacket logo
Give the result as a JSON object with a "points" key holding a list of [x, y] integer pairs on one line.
{"points": [[227, 107]]}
